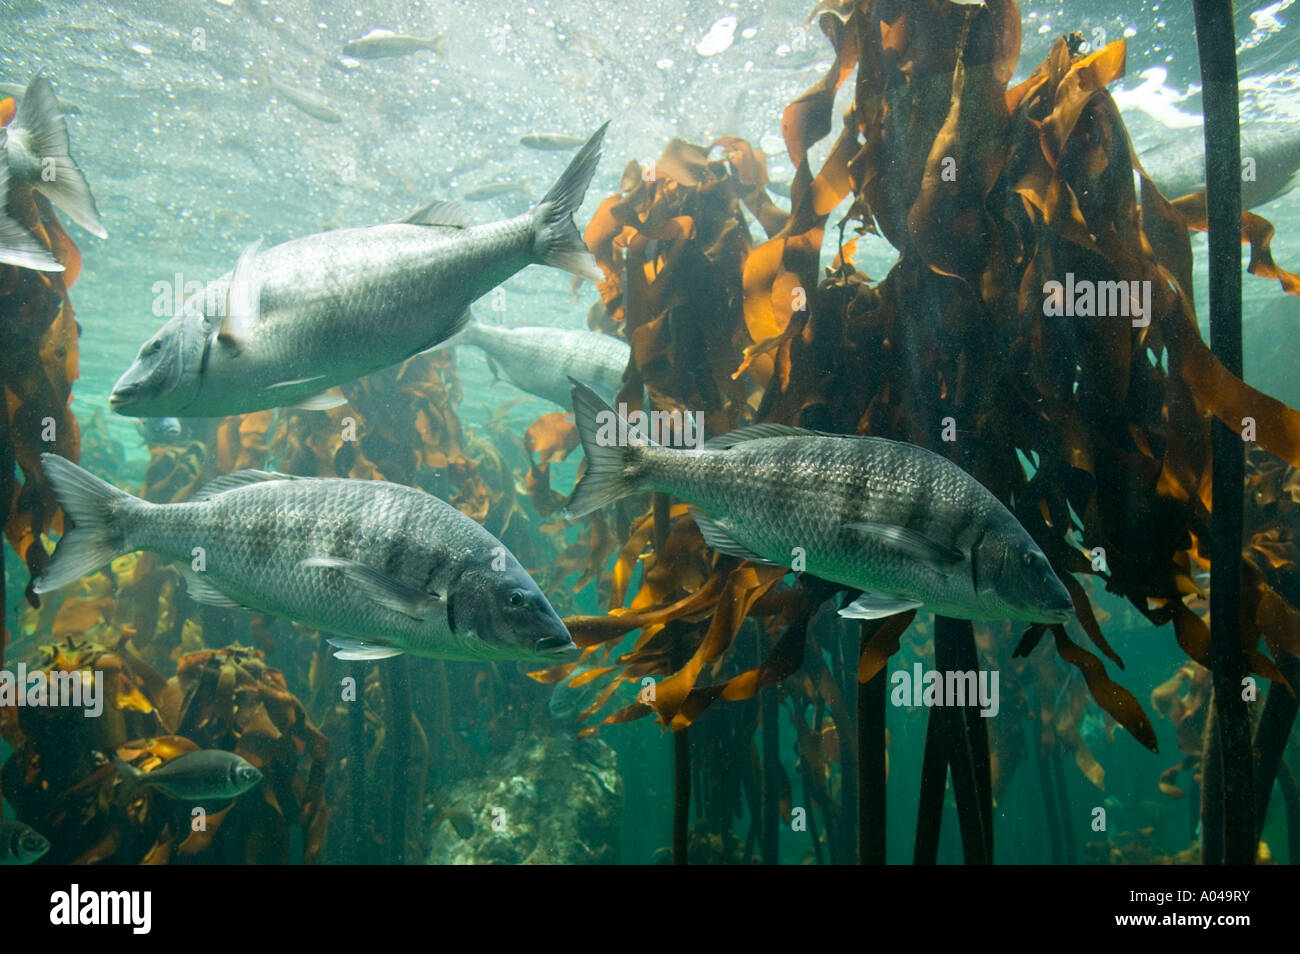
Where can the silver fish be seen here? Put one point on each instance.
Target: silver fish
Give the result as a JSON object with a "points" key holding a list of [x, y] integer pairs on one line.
{"points": [[550, 141], [387, 568], [1177, 166], [567, 700], [35, 147], [490, 190], [207, 775], [380, 43], [17, 245], [289, 323], [20, 844], [903, 525], [159, 430], [541, 360], [311, 103], [17, 90]]}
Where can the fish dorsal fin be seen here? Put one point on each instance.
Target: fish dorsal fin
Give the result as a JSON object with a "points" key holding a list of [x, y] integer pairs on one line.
{"points": [[201, 591], [380, 588], [238, 478], [877, 606], [242, 303], [913, 544], [754, 432], [345, 647], [446, 214], [719, 538]]}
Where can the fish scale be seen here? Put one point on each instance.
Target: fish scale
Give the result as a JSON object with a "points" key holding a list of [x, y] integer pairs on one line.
{"points": [[786, 491], [302, 518]]}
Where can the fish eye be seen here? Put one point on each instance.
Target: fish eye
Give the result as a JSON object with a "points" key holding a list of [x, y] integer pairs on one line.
{"points": [[516, 598], [153, 347]]}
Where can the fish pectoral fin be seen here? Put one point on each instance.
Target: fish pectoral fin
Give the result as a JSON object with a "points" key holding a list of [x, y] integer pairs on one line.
{"points": [[443, 214], [242, 301], [914, 544], [719, 538], [201, 591], [345, 647], [325, 401], [878, 605], [294, 383], [321, 401], [379, 587]]}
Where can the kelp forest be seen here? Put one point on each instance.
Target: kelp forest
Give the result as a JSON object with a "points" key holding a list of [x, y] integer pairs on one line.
{"points": [[721, 705]]}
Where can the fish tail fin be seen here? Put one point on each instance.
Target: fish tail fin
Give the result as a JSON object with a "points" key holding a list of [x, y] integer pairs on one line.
{"points": [[17, 245], [96, 536], [39, 115], [439, 45], [130, 775], [558, 242], [613, 464]]}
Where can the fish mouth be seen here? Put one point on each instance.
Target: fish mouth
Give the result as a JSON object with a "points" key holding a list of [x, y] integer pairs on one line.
{"points": [[123, 397], [1057, 613], [556, 646]]}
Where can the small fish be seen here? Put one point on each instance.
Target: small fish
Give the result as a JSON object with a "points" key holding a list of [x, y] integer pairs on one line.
{"points": [[905, 526], [550, 141], [380, 43], [17, 90], [390, 569], [313, 104], [17, 245], [490, 190], [567, 701], [159, 430], [540, 360], [208, 775], [20, 844], [35, 147], [460, 817], [288, 324]]}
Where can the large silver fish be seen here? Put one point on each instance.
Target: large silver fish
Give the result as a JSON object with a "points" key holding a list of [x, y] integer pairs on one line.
{"points": [[1177, 165], [289, 323], [541, 360], [35, 147], [907, 527], [387, 568]]}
